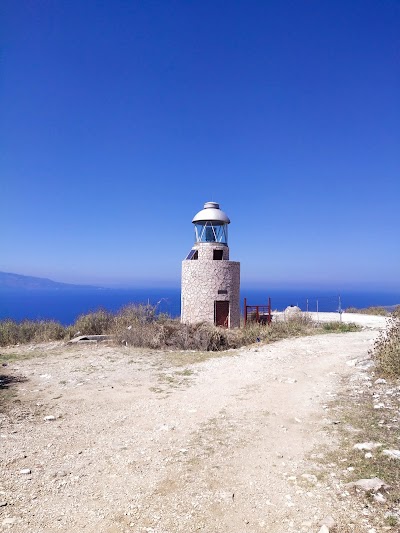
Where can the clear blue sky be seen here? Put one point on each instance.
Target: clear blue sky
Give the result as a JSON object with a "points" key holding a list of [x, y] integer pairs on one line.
{"points": [[121, 118]]}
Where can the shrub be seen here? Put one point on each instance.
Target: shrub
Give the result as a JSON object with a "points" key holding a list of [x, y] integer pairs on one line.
{"points": [[12, 332], [377, 310], [170, 333], [140, 326], [340, 327], [96, 323], [48, 330], [386, 349], [396, 311], [8, 332]]}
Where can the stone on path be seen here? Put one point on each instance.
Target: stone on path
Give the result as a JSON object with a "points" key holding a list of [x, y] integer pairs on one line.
{"points": [[328, 521], [368, 485], [8, 521], [367, 445], [394, 454], [379, 498]]}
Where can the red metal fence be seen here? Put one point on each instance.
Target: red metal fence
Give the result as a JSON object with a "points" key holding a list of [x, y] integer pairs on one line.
{"points": [[257, 313]]}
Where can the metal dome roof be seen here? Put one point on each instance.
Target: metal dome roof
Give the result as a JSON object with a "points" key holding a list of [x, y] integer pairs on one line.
{"points": [[211, 213]]}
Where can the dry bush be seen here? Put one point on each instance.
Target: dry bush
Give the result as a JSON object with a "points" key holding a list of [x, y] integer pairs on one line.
{"points": [[9, 333], [340, 327], [202, 336], [294, 325], [12, 332], [170, 333], [386, 351], [139, 325], [131, 314], [140, 335], [377, 310], [48, 330], [96, 323]]}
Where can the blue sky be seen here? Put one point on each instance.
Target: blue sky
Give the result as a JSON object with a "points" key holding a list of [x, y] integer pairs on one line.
{"points": [[121, 118]]}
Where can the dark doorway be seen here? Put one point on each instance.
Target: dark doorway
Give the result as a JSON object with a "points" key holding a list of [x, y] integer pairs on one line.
{"points": [[218, 254], [221, 313]]}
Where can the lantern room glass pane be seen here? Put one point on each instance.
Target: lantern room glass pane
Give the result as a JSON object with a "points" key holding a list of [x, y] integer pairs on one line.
{"points": [[211, 232]]}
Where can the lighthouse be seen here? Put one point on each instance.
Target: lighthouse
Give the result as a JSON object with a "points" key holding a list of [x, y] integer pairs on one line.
{"points": [[210, 281]]}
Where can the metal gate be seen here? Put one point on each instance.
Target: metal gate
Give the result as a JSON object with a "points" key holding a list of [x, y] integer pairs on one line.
{"points": [[257, 313]]}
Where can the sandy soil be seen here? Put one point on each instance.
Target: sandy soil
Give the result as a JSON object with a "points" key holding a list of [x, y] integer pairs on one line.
{"points": [[143, 443]]}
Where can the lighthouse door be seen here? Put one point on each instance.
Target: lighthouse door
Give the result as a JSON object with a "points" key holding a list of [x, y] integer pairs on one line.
{"points": [[221, 313]]}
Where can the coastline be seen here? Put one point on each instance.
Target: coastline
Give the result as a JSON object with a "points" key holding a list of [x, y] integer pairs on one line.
{"points": [[66, 305]]}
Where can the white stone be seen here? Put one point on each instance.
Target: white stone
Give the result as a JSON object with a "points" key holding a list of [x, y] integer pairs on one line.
{"points": [[394, 454], [367, 446], [328, 521], [310, 477], [8, 521], [371, 484], [379, 498]]}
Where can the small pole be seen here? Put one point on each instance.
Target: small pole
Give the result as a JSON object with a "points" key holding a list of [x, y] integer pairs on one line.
{"points": [[340, 308], [245, 310], [269, 310], [307, 305]]}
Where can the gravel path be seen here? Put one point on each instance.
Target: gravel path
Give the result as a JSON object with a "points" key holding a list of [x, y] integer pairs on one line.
{"points": [[138, 444]]}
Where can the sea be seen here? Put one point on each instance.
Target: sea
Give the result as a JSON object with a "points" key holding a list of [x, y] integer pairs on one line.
{"points": [[66, 305]]}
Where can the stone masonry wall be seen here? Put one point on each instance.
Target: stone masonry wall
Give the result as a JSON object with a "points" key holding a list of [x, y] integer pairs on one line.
{"points": [[206, 250], [201, 280]]}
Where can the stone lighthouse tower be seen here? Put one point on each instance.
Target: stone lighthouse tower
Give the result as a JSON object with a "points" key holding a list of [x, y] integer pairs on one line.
{"points": [[210, 282]]}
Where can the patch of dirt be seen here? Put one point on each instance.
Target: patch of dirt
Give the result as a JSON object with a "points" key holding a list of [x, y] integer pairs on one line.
{"points": [[145, 441]]}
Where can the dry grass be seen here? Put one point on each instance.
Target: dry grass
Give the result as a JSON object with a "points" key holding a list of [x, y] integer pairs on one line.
{"points": [[141, 326], [12, 333], [340, 327], [377, 310], [357, 421], [386, 351]]}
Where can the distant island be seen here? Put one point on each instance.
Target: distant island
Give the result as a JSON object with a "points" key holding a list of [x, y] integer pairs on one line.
{"points": [[9, 280]]}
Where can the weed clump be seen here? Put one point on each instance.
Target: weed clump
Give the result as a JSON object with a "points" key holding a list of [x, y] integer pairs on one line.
{"points": [[12, 332], [165, 332], [386, 350], [340, 327], [141, 326], [377, 310], [96, 323]]}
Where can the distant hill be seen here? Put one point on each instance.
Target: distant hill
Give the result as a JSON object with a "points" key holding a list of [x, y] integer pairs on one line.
{"points": [[10, 280]]}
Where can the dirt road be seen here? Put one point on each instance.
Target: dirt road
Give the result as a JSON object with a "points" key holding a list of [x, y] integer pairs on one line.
{"points": [[143, 443]]}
